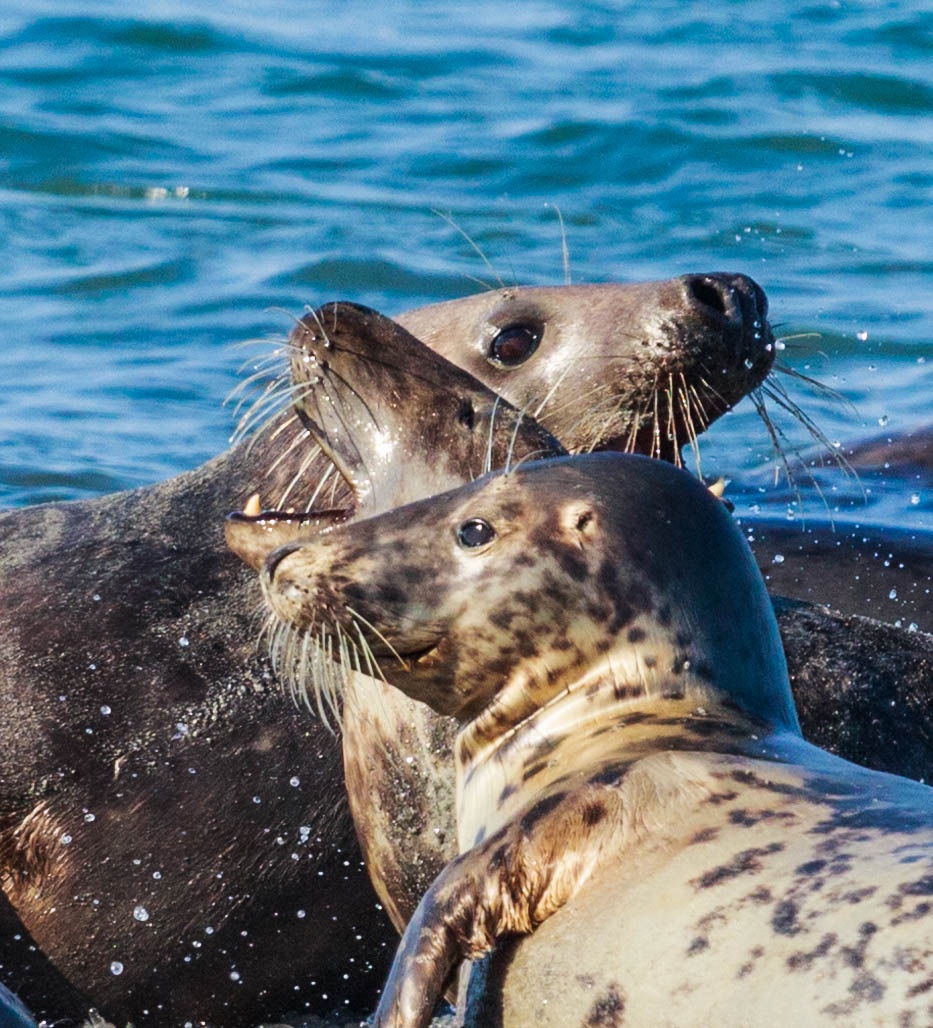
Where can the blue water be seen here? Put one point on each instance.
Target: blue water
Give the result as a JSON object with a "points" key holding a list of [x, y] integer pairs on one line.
{"points": [[175, 178]]}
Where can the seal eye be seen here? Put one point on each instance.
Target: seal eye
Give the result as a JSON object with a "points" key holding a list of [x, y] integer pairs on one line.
{"points": [[475, 532], [514, 344]]}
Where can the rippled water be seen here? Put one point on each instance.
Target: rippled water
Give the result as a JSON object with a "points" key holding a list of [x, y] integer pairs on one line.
{"points": [[175, 178]]}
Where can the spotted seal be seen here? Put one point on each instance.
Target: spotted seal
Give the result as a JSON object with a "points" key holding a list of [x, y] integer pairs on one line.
{"points": [[174, 833], [635, 801]]}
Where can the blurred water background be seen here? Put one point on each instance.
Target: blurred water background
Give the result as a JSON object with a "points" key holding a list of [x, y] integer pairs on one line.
{"points": [[178, 177]]}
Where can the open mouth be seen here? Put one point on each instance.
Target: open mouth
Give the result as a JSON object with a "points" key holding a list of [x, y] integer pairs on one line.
{"points": [[253, 533]]}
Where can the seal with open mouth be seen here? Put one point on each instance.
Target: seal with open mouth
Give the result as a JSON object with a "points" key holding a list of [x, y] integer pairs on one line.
{"points": [[174, 835], [634, 797]]}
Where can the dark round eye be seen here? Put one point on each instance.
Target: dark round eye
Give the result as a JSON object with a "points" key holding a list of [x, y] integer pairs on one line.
{"points": [[514, 344], [475, 532]]}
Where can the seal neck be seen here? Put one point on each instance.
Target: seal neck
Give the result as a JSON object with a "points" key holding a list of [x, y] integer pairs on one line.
{"points": [[592, 726]]}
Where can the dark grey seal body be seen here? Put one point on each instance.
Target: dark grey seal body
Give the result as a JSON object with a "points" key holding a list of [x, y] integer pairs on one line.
{"points": [[634, 796]]}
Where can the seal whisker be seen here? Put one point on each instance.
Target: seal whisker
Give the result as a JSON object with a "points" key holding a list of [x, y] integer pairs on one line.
{"points": [[487, 460], [475, 247], [357, 617]]}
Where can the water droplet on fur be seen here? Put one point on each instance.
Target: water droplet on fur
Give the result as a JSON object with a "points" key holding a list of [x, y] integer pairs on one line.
{"points": [[914, 499], [116, 967], [778, 558], [183, 641], [302, 913], [66, 839], [140, 913], [89, 818], [913, 627], [234, 976], [892, 595], [883, 420], [105, 710], [861, 336], [294, 781]]}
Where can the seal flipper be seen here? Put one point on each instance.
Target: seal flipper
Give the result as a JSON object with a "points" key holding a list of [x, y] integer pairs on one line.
{"points": [[507, 885]]}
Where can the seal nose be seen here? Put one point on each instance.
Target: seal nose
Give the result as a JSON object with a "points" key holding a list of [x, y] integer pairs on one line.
{"points": [[724, 297]]}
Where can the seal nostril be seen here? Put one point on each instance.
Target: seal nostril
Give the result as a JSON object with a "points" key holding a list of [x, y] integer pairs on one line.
{"points": [[276, 557], [710, 293]]}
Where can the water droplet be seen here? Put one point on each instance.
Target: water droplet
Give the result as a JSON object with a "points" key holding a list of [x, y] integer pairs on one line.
{"points": [[234, 976], [105, 710], [157, 875], [294, 781], [116, 967], [301, 913], [861, 336], [914, 498], [66, 839], [89, 818], [92, 667], [208, 930], [256, 799], [749, 363], [883, 420], [892, 595], [140, 913], [913, 627], [778, 558], [183, 641]]}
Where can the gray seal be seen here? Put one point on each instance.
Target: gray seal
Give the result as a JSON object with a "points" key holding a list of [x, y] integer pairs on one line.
{"points": [[635, 802]]}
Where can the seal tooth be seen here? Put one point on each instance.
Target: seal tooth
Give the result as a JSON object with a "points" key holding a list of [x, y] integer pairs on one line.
{"points": [[253, 507]]}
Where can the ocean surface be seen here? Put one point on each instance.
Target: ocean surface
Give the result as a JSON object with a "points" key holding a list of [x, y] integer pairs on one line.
{"points": [[176, 178]]}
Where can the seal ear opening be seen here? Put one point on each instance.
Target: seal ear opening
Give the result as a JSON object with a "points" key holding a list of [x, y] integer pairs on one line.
{"points": [[580, 523]]}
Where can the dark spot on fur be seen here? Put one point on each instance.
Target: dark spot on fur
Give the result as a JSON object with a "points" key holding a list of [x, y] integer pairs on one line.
{"points": [[651, 662], [920, 988], [802, 961], [810, 868], [697, 946], [508, 791], [921, 887], [635, 635], [746, 862], [756, 953], [594, 812], [571, 563], [608, 1011], [784, 919], [540, 810], [664, 614], [502, 618], [704, 835]]}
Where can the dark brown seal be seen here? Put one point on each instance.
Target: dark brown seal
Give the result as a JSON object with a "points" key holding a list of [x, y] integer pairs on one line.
{"points": [[173, 832], [632, 785]]}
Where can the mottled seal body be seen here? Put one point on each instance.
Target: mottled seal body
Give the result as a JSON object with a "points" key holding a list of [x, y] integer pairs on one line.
{"points": [[635, 802]]}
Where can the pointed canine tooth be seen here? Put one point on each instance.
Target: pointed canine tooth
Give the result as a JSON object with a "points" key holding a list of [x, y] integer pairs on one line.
{"points": [[253, 507], [718, 487]]}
